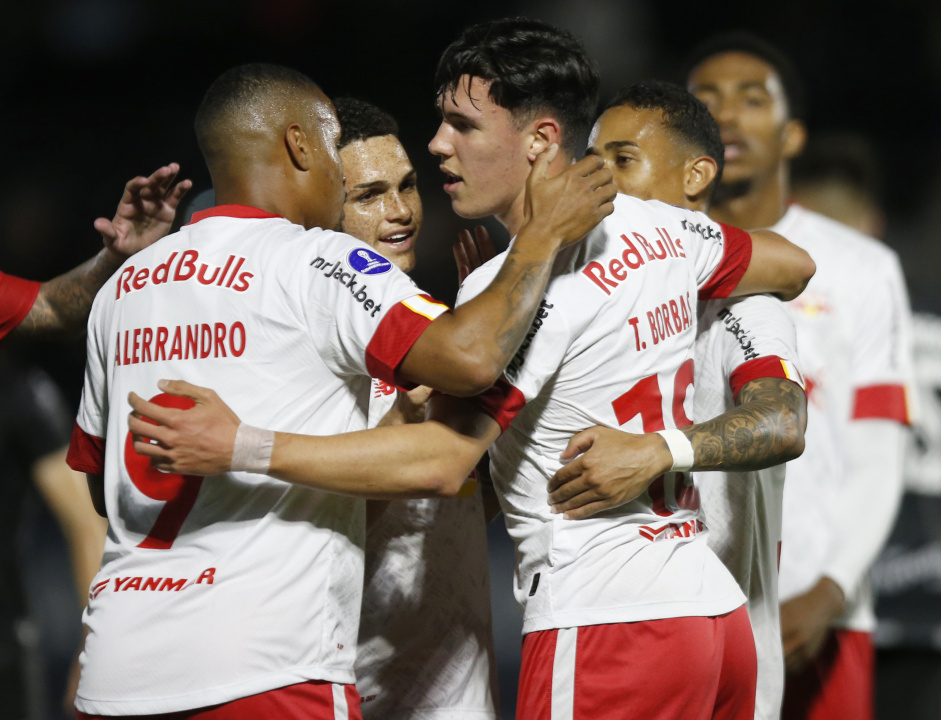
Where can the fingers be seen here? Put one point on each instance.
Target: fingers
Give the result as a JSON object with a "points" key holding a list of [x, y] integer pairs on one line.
{"points": [[567, 490], [541, 163], [485, 247], [145, 408], [588, 165], [460, 257], [420, 394], [106, 228], [579, 443], [177, 192], [181, 388], [585, 511]]}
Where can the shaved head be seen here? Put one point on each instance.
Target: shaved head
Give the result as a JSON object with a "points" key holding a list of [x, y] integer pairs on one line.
{"points": [[268, 134], [255, 102]]}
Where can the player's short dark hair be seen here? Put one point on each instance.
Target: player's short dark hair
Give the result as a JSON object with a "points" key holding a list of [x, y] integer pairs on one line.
{"points": [[843, 157], [746, 42], [360, 120], [685, 115], [238, 89], [532, 67]]}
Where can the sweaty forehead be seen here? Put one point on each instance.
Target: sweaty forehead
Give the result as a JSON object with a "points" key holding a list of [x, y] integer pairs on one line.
{"points": [[375, 159], [734, 69]]}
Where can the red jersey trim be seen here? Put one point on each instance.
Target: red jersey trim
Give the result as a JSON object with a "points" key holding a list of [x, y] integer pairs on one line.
{"points": [[882, 402], [771, 366], [86, 452], [234, 211], [735, 260], [502, 402], [394, 337], [16, 300]]}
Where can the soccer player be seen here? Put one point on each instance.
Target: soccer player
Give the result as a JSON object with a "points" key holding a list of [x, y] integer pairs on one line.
{"points": [[660, 142], [425, 648], [61, 305], [614, 599], [246, 594], [837, 175], [854, 339]]}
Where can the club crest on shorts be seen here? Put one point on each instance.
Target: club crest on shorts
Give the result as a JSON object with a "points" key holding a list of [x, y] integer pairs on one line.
{"points": [[367, 262]]}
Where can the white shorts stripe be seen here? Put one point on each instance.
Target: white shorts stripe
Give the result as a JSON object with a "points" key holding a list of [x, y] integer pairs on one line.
{"points": [[563, 675], [341, 710]]}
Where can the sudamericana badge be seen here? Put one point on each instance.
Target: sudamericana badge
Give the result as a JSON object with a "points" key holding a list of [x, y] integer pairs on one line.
{"points": [[367, 262]]}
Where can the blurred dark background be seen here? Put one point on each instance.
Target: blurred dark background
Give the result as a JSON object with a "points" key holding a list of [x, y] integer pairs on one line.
{"points": [[94, 92]]}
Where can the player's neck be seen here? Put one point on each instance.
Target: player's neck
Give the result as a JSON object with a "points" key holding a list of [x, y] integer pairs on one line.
{"points": [[762, 203], [515, 215], [268, 196]]}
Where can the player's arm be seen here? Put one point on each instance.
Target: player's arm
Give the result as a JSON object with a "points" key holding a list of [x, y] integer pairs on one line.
{"points": [[777, 266], [428, 459], [873, 445], [144, 215], [464, 352], [66, 495], [611, 467]]}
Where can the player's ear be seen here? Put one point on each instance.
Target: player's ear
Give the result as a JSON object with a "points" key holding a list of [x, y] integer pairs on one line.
{"points": [[698, 173], [298, 147], [544, 132], [795, 137]]}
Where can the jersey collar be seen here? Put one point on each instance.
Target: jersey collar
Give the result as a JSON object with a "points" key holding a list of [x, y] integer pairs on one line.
{"points": [[234, 211]]}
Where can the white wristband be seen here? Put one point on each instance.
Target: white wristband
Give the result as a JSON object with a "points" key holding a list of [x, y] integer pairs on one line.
{"points": [[680, 448], [252, 451]]}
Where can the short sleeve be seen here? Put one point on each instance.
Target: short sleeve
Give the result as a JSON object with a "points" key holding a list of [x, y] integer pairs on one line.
{"points": [[363, 313], [882, 345], [758, 340], [720, 253], [16, 298], [87, 446]]}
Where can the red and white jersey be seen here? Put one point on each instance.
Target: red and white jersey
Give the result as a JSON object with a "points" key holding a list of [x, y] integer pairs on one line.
{"points": [[739, 341], [425, 637], [16, 299], [854, 339], [219, 588], [612, 345]]}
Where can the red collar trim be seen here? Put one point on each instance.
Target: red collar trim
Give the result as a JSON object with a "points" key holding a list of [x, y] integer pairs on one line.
{"points": [[235, 211]]}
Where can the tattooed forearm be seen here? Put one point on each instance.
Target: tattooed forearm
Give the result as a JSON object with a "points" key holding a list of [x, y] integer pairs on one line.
{"points": [[766, 428], [521, 288], [64, 302]]}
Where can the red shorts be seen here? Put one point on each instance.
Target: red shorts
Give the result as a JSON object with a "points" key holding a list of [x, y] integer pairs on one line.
{"points": [[838, 684], [313, 700], [695, 668]]}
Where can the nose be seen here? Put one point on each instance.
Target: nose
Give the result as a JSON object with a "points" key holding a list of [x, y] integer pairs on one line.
{"points": [[440, 146], [397, 210]]}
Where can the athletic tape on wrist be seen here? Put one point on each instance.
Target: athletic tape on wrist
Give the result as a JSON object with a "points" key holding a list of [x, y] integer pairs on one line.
{"points": [[680, 448], [252, 451]]}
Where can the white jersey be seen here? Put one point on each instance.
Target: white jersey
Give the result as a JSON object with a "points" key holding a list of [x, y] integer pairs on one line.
{"points": [[425, 637], [219, 588], [612, 345], [740, 341], [854, 339]]}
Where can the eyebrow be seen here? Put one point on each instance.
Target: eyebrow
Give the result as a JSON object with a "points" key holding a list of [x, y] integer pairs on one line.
{"points": [[618, 144], [374, 185], [747, 85]]}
